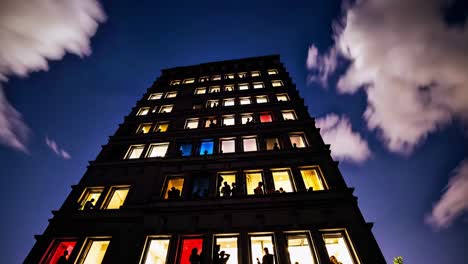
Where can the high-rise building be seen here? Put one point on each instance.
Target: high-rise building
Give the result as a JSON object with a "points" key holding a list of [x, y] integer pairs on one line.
{"points": [[215, 159]]}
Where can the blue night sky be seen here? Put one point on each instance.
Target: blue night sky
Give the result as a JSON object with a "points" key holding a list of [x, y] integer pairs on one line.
{"points": [[79, 102]]}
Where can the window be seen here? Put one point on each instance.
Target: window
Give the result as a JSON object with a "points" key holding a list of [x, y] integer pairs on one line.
{"points": [[282, 97], [242, 75], [282, 180], [174, 187], [338, 247], [166, 109], [229, 76], [161, 127], [265, 118], [175, 82], [134, 151], [229, 88], [94, 251], [211, 103], [249, 144], [58, 249], [272, 71], [251, 181], [211, 122], [272, 144], [229, 102], [156, 251], [228, 120], [276, 83], [257, 245], [229, 179], [186, 149], [191, 123], [299, 248], [215, 89], [171, 94], [312, 179], [200, 90], [258, 85], [289, 115], [200, 185], [206, 147], [255, 73], [203, 79], [247, 118], [228, 145], [155, 96], [117, 197], [197, 106], [157, 150], [216, 77], [261, 99], [90, 195], [189, 244], [297, 140], [144, 128], [143, 111], [243, 86], [229, 246], [245, 100], [187, 81]]}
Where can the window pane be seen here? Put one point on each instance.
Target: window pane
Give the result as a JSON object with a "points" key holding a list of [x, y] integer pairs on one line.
{"points": [[144, 128], [230, 181], [299, 249], [229, 76], [186, 149], [143, 111], [90, 197], [282, 180], [210, 123], [155, 96], [297, 141], [272, 144], [243, 86], [191, 124], [189, 80], [189, 245], [200, 186], [57, 253], [215, 89], [250, 144], [175, 82], [216, 77], [165, 109], [157, 251], [229, 246], [161, 127], [242, 75], [257, 245], [228, 145], [262, 99], [228, 121], [276, 83], [157, 150], [258, 85], [229, 102], [174, 187], [245, 101], [255, 73], [337, 248], [246, 118], [206, 147], [117, 198], [265, 118], [229, 88], [272, 72], [171, 94], [96, 252], [212, 103], [282, 97], [201, 90], [312, 179], [134, 152], [288, 115], [251, 181]]}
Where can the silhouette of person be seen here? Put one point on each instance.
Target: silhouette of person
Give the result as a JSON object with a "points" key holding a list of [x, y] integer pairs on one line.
{"points": [[171, 193], [295, 146], [216, 254], [276, 147], [63, 258], [176, 193], [194, 257], [267, 258], [89, 205], [248, 121], [226, 190], [281, 190], [334, 260], [234, 190], [311, 189], [223, 257], [259, 189]]}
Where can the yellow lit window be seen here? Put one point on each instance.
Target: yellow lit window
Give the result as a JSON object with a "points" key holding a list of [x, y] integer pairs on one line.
{"points": [[200, 90], [94, 252], [143, 111], [161, 127], [117, 197], [276, 83], [155, 96], [271, 143], [90, 195], [191, 123], [216, 77], [174, 187], [166, 109], [247, 118], [258, 85], [230, 179], [261, 99], [229, 88], [228, 145], [299, 249], [255, 73], [212, 103], [175, 82], [215, 89], [282, 97], [157, 150], [257, 245], [229, 246], [251, 181], [289, 115], [171, 94], [312, 179], [245, 100], [297, 140], [242, 75], [144, 128], [203, 79], [338, 247], [229, 102], [156, 251], [243, 86], [187, 81], [229, 76], [134, 151], [272, 71], [282, 180]]}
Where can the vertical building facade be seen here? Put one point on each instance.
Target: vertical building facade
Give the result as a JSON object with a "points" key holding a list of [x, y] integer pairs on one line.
{"points": [[215, 157]]}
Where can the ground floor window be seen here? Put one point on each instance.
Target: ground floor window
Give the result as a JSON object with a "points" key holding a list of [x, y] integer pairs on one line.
{"points": [[227, 247], [94, 251], [190, 250], [156, 251], [60, 251], [338, 247], [299, 248], [262, 249]]}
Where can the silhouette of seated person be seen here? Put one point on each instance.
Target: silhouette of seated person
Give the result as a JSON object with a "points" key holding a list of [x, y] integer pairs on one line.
{"points": [[276, 147], [267, 258], [226, 190], [294, 146], [89, 205], [223, 257], [234, 190], [194, 257], [173, 193], [259, 189], [281, 190], [311, 189], [334, 260], [63, 258]]}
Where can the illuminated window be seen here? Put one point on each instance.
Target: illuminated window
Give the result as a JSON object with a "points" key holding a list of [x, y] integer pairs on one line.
{"points": [[297, 140], [117, 197], [155, 96], [200, 90], [161, 127], [265, 118], [289, 115], [251, 181], [134, 151], [90, 197], [257, 246], [247, 118], [191, 123], [228, 120], [166, 109], [272, 144], [242, 75], [312, 179], [171, 94], [276, 83], [212, 103], [243, 86], [156, 251], [186, 149], [261, 99], [282, 180], [206, 147], [174, 187], [228, 245], [229, 102], [157, 150], [94, 251], [230, 180], [228, 145], [216, 77], [300, 249], [229, 88], [245, 100], [215, 89], [143, 111], [282, 97], [338, 247], [258, 85], [250, 144], [203, 79], [144, 128], [272, 71], [175, 82], [189, 244], [255, 74], [57, 250], [197, 106], [211, 122], [187, 81], [229, 76]]}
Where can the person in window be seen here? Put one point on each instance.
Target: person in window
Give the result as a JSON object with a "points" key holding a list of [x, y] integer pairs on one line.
{"points": [[176, 193], [194, 257], [89, 205], [63, 258], [216, 254], [267, 258], [294, 146], [234, 189], [226, 190], [334, 260], [259, 189], [223, 257], [276, 147], [281, 190], [311, 189]]}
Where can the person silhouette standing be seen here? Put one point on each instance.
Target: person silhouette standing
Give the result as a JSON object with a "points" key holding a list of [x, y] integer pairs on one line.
{"points": [[63, 258], [194, 257]]}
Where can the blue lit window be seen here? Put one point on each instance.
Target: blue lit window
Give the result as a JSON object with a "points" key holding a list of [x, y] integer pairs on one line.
{"points": [[206, 147], [186, 149]]}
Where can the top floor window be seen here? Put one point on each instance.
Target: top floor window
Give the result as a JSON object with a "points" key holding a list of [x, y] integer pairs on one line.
{"points": [[200, 90], [242, 75], [203, 79], [155, 96], [229, 76], [175, 82], [143, 111], [171, 94], [187, 81], [272, 71], [276, 83], [216, 77], [282, 97], [255, 73]]}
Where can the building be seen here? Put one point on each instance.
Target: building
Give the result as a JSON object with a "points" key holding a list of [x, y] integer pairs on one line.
{"points": [[157, 189]]}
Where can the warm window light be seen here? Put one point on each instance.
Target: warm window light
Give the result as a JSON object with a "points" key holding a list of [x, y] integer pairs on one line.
{"points": [[203, 79], [261, 99], [161, 127], [166, 109], [215, 89], [187, 81], [272, 72], [242, 75], [171, 94], [336, 246], [289, 115], [144, 128], [250, 144], [229, 102], [258, 243], [265, 118], [245, 118], [57, 250], [216, 78], [211, 103], [175, 82], [229, 88], [229, 246], [176, 182], [200, 90], [258, 85], [271, 143], [209, 122], [228, 145], [117, 197], [243, 86], [96, 251], [134, 151], [297, 140], [143, 111], [282, 179], [197, 106], [155, 96], [191, 123], [299, 248], [230, 178], [157, 150], [276, 83], [251, 181], [90, 194], [229, 76], [255, 73], [312, 179], [282, 97], [244, 100], [156, 252], [228, 120]]}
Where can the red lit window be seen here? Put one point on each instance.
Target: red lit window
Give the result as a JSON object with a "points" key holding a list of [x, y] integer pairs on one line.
{"points": [[265, 118], [189, 245], [58, 250]]}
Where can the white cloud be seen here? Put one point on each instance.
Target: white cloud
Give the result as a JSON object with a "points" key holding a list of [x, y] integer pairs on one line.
{"points": [[344, 143], [55, 148], [322, 66], [412, 66], [454, 202], [33, 32]]}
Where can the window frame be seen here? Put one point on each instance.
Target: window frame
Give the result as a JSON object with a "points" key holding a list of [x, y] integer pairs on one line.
{"points": [[347, 239], [262, 176], [250, 137], [196, 91], [53, 247], [290, 175], [228, 139], [263, 96], [310, 241], [204, 79], [233, 100], [87, 244], [155, 129], [262, 85], [175, 82], [224, 117], [272, 71], [165, 106], [192, 120], [243, 115], [189, 81], [265, 114], [141, 126], [164, 190], [254, 74], [146, 248], [302, 135], [238, 248], [110, 194], [86, 194], [229, 76], [319, 172], [246, 85], [214, 89], [231, 86], [211, 103], [212, 147], [131, 148], [273, 243], [245, 98], [151, 147], [283, 94], [275, 82], [157, 95], [142, 109], [291, 112], [170, 93], [216, 77]]}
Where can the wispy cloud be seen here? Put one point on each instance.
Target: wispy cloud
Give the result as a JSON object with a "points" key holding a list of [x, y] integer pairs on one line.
{"points": [[33, 32], [344, 142], [55, 148]]}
